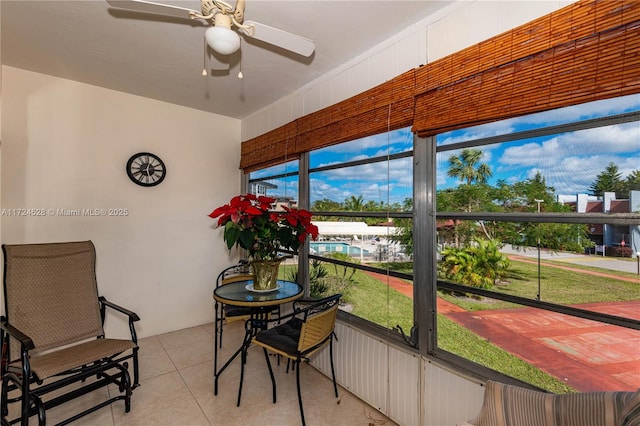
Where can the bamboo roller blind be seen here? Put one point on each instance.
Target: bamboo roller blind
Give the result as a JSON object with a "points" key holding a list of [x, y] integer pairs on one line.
{"points": [[387, 106], [582, 53], [586, 51]]}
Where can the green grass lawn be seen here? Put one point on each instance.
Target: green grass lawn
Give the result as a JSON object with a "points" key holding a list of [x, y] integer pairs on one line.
{"points": [[375, 301], [556, 286]]}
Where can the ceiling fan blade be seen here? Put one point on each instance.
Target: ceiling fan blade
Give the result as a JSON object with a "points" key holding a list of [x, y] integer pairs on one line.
{"points": [[151, 7], [292, 42]]}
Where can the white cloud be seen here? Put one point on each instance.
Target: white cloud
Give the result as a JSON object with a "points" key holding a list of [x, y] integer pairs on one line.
{"points": [[369, 180], [563, 115], [399, 137], [529, 154], [619, 139], [569, 162]]}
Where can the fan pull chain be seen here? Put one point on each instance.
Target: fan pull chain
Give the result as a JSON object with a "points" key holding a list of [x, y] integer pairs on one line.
{"points": [[240, 75], [204, 58]]}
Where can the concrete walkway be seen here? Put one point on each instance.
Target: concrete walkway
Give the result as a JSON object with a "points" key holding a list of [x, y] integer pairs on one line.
{"points": [[597, 261]]}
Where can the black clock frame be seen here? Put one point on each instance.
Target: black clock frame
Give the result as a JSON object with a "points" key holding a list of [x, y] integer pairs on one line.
{"points": [[146, 169]]}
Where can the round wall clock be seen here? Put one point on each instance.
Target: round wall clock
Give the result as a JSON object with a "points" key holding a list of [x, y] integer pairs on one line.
{"points": [[146, 169]]}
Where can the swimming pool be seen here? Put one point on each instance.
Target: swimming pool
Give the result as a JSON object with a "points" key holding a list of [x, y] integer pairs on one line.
{"points": [[335, 247]]}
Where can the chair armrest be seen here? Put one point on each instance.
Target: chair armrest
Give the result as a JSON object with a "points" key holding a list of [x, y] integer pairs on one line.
{"points": [[130, 314], [24, 340], [306, 301], [309, 302]]}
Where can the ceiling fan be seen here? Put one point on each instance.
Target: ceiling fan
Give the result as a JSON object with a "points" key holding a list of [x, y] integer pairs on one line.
{"points": [[221, 36]]}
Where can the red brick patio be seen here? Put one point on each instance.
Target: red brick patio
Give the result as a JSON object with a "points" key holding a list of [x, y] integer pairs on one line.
{"points": [[587, 355]]}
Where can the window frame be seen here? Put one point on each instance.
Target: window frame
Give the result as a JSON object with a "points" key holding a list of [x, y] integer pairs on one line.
{"points": [[429, 207], [423, 337]]}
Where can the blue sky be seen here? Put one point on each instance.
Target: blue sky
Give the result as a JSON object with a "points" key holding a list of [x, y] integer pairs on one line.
{"points": [[569, 161]]}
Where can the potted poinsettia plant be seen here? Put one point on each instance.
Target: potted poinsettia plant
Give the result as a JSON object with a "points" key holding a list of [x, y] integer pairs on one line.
{"points": [[250, 223]]}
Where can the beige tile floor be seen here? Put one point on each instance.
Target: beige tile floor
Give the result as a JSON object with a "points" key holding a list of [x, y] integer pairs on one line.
{"points": [[176, 376]]}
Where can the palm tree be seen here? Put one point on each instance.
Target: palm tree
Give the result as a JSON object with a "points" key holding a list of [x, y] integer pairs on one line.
{"points": [[325, 205], [354, 204], [467, 167]]}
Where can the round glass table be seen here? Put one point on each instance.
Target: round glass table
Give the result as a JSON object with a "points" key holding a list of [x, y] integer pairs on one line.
{"points": [[260, 303], [241, 293]]}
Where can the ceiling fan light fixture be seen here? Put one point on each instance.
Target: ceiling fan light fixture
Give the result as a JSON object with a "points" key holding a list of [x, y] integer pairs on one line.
{"points": [[223, 40]]}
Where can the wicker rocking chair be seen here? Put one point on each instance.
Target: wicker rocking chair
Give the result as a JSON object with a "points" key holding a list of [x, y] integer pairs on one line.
{"points": [[52, 335]]}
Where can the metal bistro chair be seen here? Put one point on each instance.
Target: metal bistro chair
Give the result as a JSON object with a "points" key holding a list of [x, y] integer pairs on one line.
{"points": [[54, 347], [306, 330], [225, 314]]}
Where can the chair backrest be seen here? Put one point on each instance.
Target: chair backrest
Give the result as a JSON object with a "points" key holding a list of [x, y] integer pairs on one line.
{"points": [[236, 278], [239, 272], [318, 324], [51, 293]]}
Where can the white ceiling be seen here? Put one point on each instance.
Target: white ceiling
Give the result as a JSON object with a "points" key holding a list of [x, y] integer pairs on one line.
{"points": [[162, 57]]}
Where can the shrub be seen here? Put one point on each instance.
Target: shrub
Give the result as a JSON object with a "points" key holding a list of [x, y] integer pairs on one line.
{"points": [[619, 251], [478, 265], [322, 284]]}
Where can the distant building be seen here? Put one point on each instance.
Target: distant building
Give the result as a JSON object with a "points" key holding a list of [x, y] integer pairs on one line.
{"points": [[605, 235], [261, 188]]}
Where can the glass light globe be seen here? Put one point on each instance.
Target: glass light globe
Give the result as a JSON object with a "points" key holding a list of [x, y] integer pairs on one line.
{"points": [[222, 40]]}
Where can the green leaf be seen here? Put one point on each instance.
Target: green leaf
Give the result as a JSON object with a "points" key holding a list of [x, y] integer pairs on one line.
{"points": [[246, 239], [231, 234]]}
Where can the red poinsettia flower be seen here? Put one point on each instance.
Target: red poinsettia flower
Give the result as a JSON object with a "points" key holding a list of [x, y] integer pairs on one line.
{"points": [[250, 223]]}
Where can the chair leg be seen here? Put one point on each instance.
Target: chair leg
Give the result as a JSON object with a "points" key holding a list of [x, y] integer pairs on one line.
{"points": [[126, 384], [4, 398], [136, 369], [333, 371], [273, 379], [297, 367], [215, 356], [221, 325], [243, 357], [42, 416], [219, 321], [221, 329], [25, 388]]}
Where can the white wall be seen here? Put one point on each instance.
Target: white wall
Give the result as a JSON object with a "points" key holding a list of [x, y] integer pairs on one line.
{"points": [[65, 145], [453, 28]]}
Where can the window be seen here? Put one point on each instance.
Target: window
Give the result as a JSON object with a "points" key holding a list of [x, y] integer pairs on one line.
{"points": [[279, 182], [360, 193], [485, 245], [520, 219]]}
